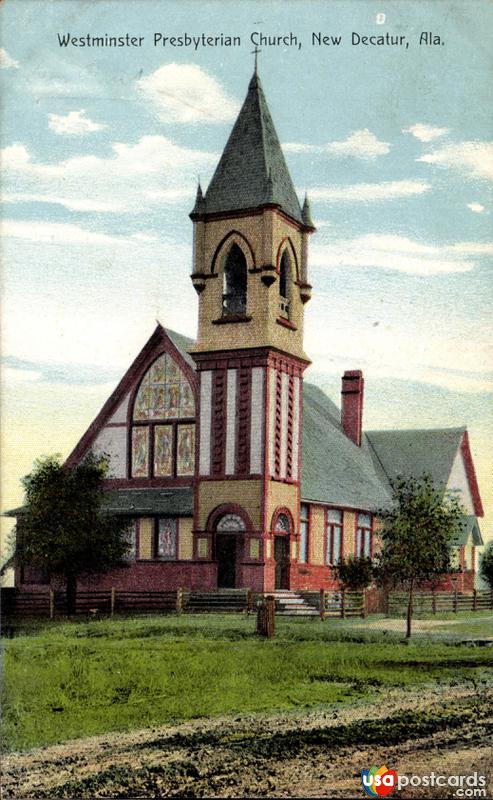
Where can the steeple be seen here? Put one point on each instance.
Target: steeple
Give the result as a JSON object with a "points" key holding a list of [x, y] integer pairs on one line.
{"points": [[252, 171]]}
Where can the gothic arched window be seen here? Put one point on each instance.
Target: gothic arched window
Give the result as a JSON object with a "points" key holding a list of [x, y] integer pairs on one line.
{"points": [[235, 282], [163, 429], [284, 284]]}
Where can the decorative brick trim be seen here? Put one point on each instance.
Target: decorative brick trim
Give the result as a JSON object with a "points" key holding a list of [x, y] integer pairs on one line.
{"points": [[244, 391], [218, 429], [290, 421], [230, 318], [286, 324], [278, 417]]}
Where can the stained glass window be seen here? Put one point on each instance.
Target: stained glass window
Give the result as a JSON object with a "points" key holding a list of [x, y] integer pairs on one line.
{"points": [[163, 450], [140, 452], [334, 535], [161, 447], [166, 539], [282, 523], [185, 457], [230, 522], [131, 539], [165, 392]]}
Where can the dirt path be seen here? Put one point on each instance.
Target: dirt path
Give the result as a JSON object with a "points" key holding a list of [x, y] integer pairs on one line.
{"points": [[446, 729]]}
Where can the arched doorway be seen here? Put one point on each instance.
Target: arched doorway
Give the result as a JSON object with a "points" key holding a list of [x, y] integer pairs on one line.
{"points": [[228, 544], [282, 530]]}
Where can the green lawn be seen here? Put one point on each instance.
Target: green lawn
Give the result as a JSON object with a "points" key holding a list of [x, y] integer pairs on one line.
{"points": [[64, 680]]}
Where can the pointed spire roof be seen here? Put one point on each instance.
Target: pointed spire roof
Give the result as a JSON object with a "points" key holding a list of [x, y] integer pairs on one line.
{"points": [[252, 171]]}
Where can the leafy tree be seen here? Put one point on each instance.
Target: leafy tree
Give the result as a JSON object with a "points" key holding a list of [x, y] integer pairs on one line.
{"points": [[354, 573], [417, 534], [63, 530], [487, 565]]}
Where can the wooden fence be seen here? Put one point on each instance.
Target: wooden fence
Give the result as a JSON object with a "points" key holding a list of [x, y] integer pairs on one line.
{"points": [[439, 602], [329, 604]]}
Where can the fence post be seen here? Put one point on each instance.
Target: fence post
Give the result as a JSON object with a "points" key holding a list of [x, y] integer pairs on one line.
{"points": [[52, 603], [113, 600], [321, 604], [455, 601], [343, 604], [387, 602], [491, 599], [266, 617], [249, 603], [179, 601], [364, 610], [433, 601], [474, 600]]}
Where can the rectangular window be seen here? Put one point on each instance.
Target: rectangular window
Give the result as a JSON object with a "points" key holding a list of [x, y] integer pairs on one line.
{"points": [[304, 525], [364, 537], [185, 457], [166, 539], [334, 535], [131, 539], [163, 450], [140, 452]]}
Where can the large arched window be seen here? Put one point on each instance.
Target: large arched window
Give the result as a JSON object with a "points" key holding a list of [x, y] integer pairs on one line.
{"points": [[235, 282], [163, 429], [284, 285]]}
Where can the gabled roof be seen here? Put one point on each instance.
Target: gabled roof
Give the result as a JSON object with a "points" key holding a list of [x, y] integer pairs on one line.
{"points": [[252, 171], [160, 338], [469, 529], [416, 452], [334, 469]]}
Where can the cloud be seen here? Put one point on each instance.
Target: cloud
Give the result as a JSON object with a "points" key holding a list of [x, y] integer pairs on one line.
{"points": [[185, 93], [6, 62], [368, 192], [73, 124], [425, 133], [474, 159], [476, 207], [360, 144], [399, 254], [56, 233], [133, 178]]}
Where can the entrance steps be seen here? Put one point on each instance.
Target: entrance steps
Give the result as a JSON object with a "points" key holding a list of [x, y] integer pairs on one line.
{"points": [[290, 603]]}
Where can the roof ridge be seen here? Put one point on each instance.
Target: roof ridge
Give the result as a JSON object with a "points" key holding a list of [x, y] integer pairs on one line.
{"points": [[461, 428]]}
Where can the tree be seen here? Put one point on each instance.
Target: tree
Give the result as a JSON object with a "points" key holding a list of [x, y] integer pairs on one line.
{"points": [[417, 534], [354, 573], [487, 565], [63, 529]]}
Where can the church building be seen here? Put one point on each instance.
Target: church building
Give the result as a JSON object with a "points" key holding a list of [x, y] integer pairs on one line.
{"points": [[232, 470]]}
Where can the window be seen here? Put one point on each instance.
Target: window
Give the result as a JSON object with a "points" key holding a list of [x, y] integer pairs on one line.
{"points": [[166, 539], [230, 523], [364, 537], [235, 282], [283, 524], [334, 535], [131, 539], [284, 285], [163, 432], [304, 524]]}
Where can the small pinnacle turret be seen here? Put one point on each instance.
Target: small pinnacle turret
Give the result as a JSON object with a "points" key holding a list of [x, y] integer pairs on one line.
{"points": [[306, 214]]}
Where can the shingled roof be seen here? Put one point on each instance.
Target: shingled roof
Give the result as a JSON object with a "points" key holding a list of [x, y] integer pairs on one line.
{"points": [[252, 171], [415, 452], [334, 469]]}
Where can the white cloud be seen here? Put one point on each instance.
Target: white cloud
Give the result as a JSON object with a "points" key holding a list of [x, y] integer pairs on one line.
{"points": [[186, 93], [55, 233], [11, 375], [134, 177], [399, 254], [360, 144], [368, 192], [476, 207], [425, 133], [471, 158], [6, 62], [73, 124]]}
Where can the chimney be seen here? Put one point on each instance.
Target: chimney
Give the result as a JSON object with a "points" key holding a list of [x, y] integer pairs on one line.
{"points": [[352, 404]]}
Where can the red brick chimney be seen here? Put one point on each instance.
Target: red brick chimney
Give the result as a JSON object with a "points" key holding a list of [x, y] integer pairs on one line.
{"points": [[352, 404]]}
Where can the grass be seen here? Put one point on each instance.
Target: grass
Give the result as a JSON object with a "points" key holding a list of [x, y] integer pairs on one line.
{"points": [[65, 680]]}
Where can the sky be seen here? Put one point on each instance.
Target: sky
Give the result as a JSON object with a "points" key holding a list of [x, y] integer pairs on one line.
{"points": [[102, 148]]}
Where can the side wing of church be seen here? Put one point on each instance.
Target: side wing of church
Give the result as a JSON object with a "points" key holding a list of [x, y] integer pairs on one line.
{"points": [[233, 471]]}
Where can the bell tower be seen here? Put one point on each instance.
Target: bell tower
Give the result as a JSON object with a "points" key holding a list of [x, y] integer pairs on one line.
{"points": [[250, 272]]}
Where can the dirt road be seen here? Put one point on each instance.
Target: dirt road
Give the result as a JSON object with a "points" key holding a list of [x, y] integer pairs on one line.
{"points": [[445, 729]]}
